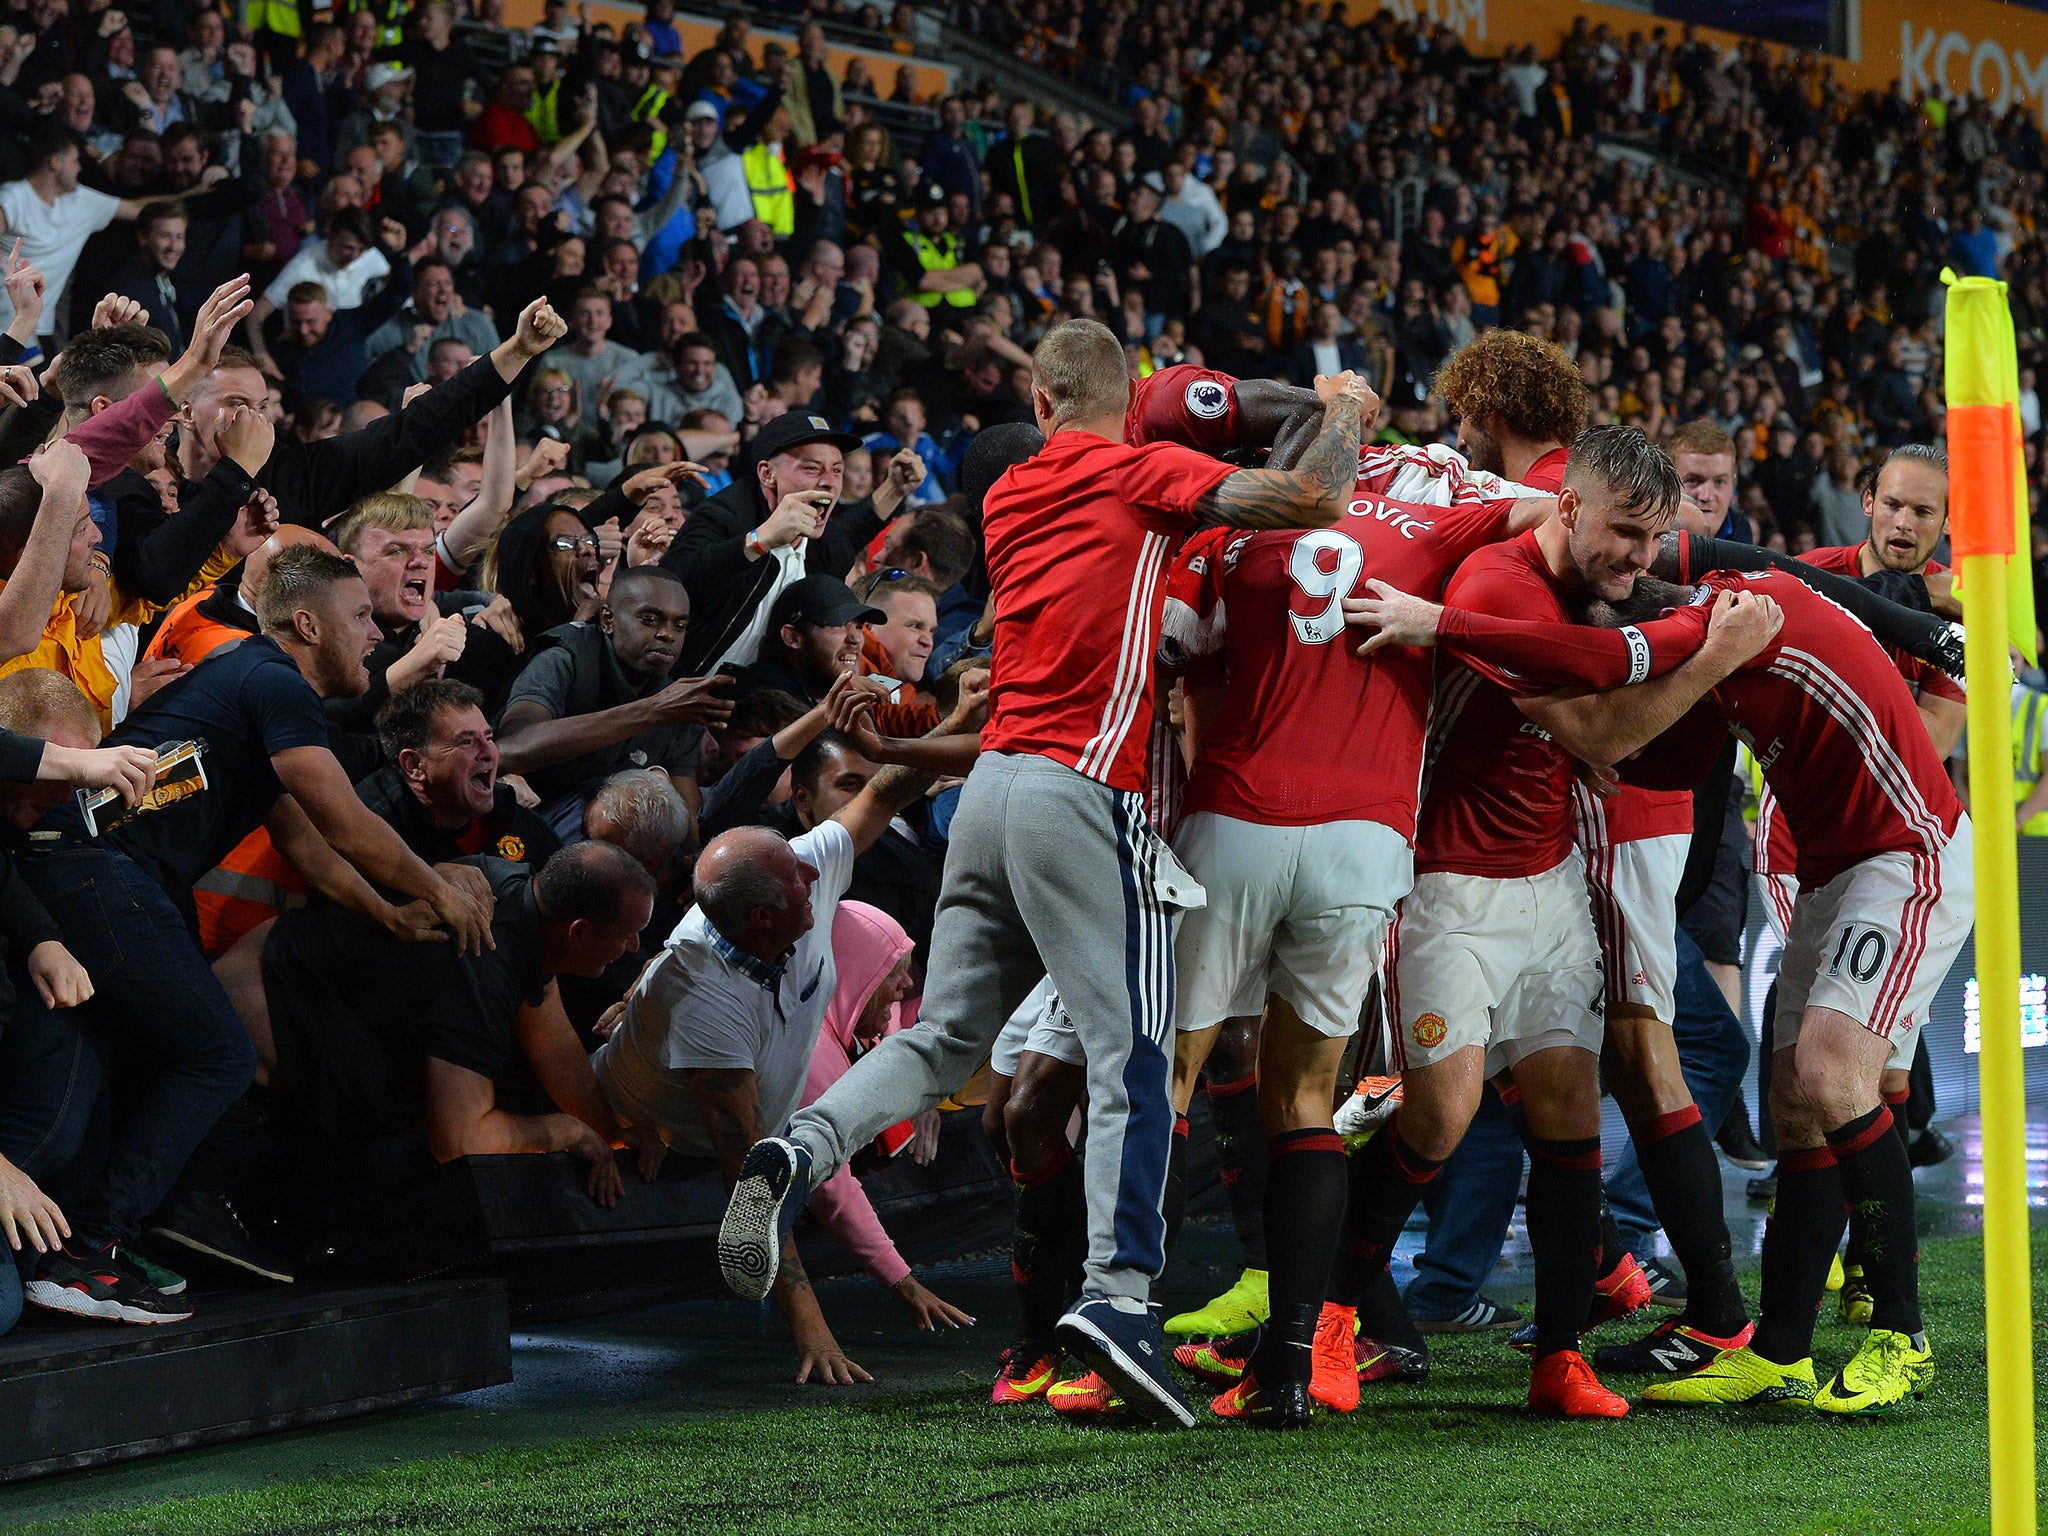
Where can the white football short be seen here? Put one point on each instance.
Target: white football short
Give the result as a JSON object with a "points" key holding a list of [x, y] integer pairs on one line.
{"points": [[1298, 912], [1040, 1024], [1780, 893], [1633, 888], [1511, 965], [1876, 943]]}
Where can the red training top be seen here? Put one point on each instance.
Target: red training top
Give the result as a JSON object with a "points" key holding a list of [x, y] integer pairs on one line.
{"points": [[1078, 538]]}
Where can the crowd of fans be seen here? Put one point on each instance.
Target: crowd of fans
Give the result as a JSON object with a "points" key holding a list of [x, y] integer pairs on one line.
{"points": [[557, 441]]}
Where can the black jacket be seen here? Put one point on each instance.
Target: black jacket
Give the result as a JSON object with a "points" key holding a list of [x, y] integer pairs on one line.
{"points": [[509, 832], [314, 481], [137, 281], [726, 587]]}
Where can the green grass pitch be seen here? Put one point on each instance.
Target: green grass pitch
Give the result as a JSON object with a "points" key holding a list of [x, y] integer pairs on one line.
{"points": [[1456, 1455]]}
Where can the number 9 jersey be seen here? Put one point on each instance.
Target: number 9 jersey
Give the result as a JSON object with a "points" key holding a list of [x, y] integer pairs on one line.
{"points": [[1309, 731]]}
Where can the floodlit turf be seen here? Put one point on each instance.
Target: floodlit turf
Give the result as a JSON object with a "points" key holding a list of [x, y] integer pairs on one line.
{"points": [[1457, 1455]]}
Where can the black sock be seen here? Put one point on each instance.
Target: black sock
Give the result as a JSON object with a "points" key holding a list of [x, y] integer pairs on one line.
{"points": [[1383, 1315], [1612, 1246], [1241, 1161], [1050, 1243], [1564, 1236], [1306, 1188], [1174, 1203], [1684, 1180], [1386, 1181], [1877, 1181], [1800, 1238], [1896, 1103], [1852, 1255]]}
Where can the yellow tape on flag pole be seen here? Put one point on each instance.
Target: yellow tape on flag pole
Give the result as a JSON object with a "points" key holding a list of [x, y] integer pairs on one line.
{"points": [[1987, 530]]}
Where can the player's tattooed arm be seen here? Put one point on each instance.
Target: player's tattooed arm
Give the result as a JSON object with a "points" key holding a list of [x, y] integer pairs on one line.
{"points": [[1316, 491]]}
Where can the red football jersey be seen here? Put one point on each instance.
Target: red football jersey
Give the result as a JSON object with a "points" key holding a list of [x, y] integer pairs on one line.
{"points": [[1547, 473], [1078, 538], [1844, 560], [1499, 790], [1195, 407], [1309, 731], [1632, 813], [1837, 734], [1776, 851]]}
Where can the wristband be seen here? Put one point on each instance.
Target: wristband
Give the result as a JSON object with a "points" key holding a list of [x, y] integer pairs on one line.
{"points": [[755, 548]]}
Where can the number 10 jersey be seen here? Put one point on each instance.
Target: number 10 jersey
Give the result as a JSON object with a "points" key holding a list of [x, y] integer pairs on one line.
{"points": [[1309, 731]]}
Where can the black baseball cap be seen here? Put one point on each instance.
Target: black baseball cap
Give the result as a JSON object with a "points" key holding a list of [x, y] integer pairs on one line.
{"points": [[792, 429], [820, 600]]}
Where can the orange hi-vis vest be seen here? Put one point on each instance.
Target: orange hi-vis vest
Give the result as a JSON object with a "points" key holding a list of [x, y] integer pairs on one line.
{"points": [[254, 882]]}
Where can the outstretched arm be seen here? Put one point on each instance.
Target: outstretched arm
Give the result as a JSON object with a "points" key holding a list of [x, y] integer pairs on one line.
{"points": [[1556, 655], [1603, 728], [31, 591], [1315, 493], [1928, 636], [469, 535]]}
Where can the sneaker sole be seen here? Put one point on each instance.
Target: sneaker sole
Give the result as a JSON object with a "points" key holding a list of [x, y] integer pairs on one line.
{"points": [[1132, 1382], [749, 1238], [246, 1266], [62, 1298]]}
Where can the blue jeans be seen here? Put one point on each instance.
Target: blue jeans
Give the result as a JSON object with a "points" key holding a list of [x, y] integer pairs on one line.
{"points": [[1713, 1055], [156, 1009], [1469, 1203]]}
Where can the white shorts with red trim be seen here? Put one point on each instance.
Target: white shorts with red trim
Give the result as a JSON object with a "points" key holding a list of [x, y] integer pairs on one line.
{"points": [[1041, 1025], [1633, 889], [1876, 943], [1297, 912], [1780, 893], [1510, 965]]}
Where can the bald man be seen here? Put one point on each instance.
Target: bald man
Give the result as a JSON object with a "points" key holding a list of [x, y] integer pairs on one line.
{"points": [[217, 615], [716, 1038]]}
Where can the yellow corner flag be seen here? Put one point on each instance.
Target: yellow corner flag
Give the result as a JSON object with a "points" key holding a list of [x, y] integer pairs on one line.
{"points": [[1983, 378], [1988, 533]]}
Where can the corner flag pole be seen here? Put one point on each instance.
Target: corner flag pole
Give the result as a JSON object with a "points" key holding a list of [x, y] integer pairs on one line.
{"points": [[1987, 511]]}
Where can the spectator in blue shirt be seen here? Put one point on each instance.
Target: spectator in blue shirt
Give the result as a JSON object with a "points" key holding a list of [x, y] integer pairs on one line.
{"points": [[949, 159], [903, 424], [1973, 249]]}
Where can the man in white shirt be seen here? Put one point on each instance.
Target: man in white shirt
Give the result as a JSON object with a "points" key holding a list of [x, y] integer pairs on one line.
{"points": [[716, 1037], [1191, 207], [55, 216], [725, 175]]}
